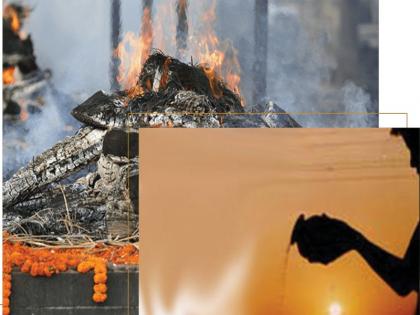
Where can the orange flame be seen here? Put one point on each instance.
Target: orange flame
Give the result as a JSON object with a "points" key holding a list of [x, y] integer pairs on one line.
{"points": [[147, 34], [9, 75], [218, 59], [132, 51], [11, 15]]}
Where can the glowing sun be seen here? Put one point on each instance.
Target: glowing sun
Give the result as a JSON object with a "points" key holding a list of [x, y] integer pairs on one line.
{"points": [[335, 309]]}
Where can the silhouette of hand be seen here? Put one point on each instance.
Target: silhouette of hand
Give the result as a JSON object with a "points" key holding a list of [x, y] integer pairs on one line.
{"points": [[323, 239]]}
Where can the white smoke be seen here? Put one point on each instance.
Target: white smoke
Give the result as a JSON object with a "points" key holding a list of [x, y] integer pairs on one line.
{"points": [[355, 100], [299, 76], [24, 140], [72, 38]]}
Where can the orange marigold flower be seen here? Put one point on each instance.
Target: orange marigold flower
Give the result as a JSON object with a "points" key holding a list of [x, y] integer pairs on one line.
{"points": [[99, 297], [100, 278], [17, 258], [73, 262], [7, 285], [6, 302], [6, 310], [26, 267], [34, 270], [61, 266], [6, 293], [84, 266], [100, 268], [7, 268], [48, 271], [100, 288]]}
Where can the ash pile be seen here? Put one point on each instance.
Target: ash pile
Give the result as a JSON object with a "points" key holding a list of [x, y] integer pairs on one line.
{"points": [[103, 203]]}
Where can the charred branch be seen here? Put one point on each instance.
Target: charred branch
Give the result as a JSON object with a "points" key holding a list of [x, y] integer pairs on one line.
{"points": [[60, 161], [260, 64], [115, 40], [181, 28]]}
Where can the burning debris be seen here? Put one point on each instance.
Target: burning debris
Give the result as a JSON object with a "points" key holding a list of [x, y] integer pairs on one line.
{"points": [[104, 203], [170, 93], [24, 83]]}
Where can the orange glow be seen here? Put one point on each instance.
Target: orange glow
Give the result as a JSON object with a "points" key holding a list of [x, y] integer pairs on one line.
{"points": [[11, 14], [133, 51], [165, 73], [249, 188], [147, 34], [130, 52], [218, 59], [9, 75], [136, 90]]}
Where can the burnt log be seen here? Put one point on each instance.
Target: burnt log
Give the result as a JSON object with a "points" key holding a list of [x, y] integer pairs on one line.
{"points": [[101, 204], [260, 48], [115, 40], [34, 83], [161, 72], [60, 161], [67, 211], [17, 51], [181, 28]]}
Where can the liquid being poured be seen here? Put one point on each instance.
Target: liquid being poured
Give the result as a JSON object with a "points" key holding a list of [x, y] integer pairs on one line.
{"points": [[283, 277]]}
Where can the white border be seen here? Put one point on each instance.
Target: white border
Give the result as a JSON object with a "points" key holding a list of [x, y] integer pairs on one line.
{"points": [[399, 61]]}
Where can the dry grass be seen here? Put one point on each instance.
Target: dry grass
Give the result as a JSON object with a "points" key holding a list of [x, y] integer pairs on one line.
{"points": [[69, 241]]}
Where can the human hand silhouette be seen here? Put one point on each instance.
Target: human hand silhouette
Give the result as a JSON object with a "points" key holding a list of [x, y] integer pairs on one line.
{"points": [[323, 239]]}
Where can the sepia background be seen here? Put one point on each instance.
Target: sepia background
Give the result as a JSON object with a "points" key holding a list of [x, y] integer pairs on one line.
{"points": [[218, 207]]}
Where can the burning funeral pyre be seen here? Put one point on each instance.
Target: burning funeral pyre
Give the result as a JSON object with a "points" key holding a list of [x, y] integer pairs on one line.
{"points": [[104, 203], [24, 83]]}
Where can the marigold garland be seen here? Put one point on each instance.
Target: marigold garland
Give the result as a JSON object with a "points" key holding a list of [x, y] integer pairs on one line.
{"points": [[41, 262]]}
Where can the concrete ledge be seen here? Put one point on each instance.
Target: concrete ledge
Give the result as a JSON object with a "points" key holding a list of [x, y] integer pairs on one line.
{"points": [[70, 293]]}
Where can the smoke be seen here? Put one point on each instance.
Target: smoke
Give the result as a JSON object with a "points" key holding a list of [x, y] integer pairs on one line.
{"points": [[299, 76], [72, 38], [301, 65], [356, 100], [23, 140]]}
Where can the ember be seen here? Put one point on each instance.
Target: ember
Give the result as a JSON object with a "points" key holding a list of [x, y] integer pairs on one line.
{"points": [[13, 14], [9, 75], [24, 83]]}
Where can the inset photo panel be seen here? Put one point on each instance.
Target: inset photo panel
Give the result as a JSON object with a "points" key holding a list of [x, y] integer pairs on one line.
{"points": [[279, 221]]}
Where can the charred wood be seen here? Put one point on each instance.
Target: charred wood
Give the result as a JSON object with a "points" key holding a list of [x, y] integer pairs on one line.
{"points": [[161, 72], [260, 64], [115, 40], [98, 205], [54, 164], [181, 28]]}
